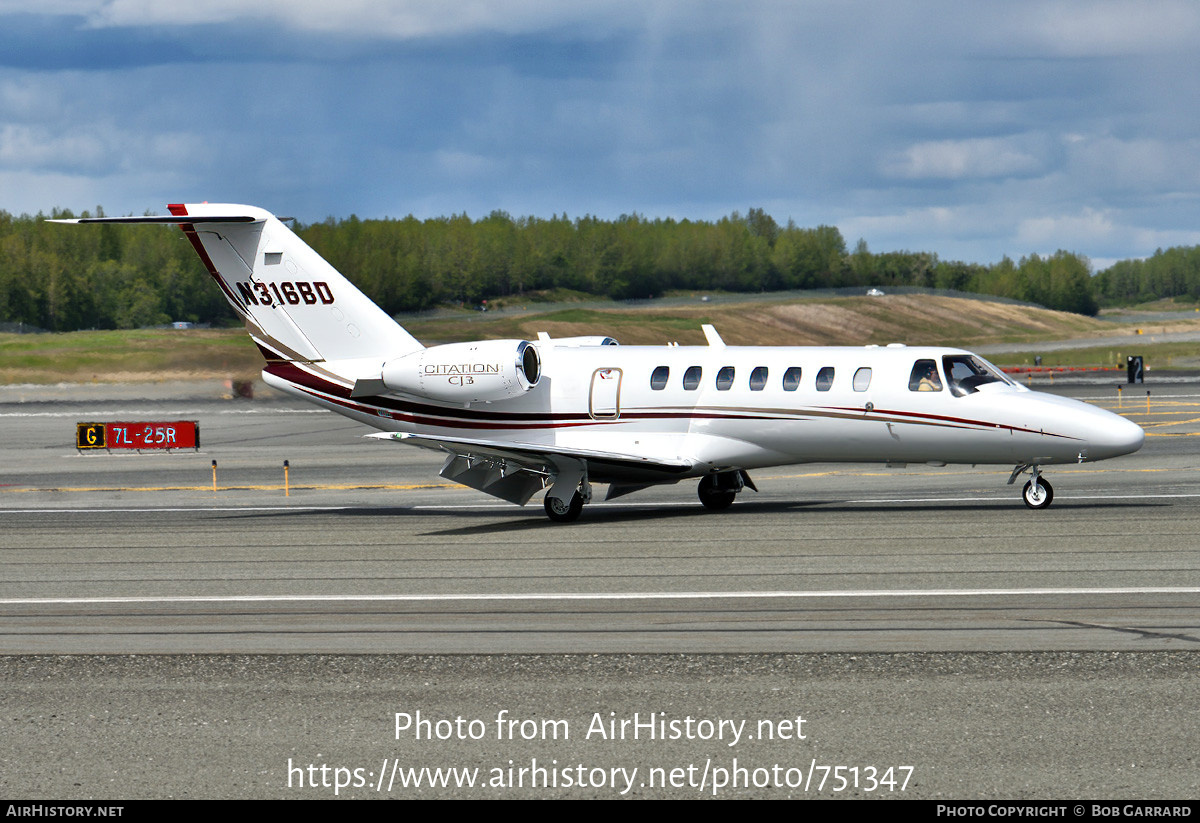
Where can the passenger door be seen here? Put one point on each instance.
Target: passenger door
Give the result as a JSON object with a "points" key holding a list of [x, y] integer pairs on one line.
{"points": [[604, 400]]}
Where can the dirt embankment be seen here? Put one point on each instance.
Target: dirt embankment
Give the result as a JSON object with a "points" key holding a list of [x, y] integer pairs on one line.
{"points": [[156, 356], [911, 319]]}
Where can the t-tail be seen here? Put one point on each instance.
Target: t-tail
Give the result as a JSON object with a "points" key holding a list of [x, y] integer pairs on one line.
{"points": [[296, 307]]}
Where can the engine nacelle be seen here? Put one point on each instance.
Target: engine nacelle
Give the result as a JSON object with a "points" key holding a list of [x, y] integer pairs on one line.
{"points": [[578, 342], [467, 372]]}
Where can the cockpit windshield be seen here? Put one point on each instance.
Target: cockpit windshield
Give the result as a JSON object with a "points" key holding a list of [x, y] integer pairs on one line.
{"points": [[966, 373]]}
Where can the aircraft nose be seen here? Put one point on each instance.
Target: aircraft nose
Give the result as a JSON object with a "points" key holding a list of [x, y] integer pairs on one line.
{"points": [[1115, 436]]}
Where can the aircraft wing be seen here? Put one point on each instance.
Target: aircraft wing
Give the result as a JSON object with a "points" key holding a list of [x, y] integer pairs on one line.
{"points": [[514, 471]]}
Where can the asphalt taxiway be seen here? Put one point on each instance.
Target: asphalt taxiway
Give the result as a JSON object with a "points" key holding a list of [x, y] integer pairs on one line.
{"points": [[919, 615], [367, 550]]}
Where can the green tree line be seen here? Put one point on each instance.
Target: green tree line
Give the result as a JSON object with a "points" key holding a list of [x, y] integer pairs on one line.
{"points": [[121, 276], [1174, 272]]}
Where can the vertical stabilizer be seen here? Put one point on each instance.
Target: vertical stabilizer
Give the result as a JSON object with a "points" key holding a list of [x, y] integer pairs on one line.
{"points": [[296, 306]]}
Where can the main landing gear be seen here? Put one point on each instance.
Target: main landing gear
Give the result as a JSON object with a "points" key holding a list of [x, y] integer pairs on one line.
{"points": [[1038, 493], [717, 491], [562, 511], [569, 491]]}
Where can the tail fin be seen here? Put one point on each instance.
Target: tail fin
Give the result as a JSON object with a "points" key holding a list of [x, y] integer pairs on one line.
{"points": [[296, 306]]}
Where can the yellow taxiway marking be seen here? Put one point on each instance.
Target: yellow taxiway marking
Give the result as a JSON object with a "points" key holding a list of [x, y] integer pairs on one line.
{"points": [[1058, 469], [267, 488], [1133, 414], [418, 486]]}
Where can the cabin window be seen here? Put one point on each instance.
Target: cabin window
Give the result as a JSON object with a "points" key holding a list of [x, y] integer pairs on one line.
{"points": [[924, 377], [758, 378], [658, 380], [725, 378], [862, 379], [825, 378], [691, 378], [966, 373], [791, 378]]}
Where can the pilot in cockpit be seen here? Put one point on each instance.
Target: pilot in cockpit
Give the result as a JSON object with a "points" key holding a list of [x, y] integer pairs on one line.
{"points": [[929, 380]]}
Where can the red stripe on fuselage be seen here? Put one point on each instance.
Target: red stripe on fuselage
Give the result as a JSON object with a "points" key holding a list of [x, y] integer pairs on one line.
{"points": [[961, 421], [459, 418], [451, 417]]}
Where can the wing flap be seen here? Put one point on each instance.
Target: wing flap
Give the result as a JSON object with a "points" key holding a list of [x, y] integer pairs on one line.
{"points": [[536, 454], [515, 471]]}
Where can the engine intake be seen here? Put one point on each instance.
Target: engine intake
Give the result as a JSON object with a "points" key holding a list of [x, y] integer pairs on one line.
{"points": [[467, 372]]}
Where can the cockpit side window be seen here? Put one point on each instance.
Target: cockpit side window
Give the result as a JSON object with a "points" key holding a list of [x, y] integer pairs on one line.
{"points": [[924, 376], [966, 373]]}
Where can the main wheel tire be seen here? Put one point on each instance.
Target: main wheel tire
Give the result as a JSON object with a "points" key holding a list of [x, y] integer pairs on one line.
{"points": [[714, 499], [1037, 495], [561, 512]]}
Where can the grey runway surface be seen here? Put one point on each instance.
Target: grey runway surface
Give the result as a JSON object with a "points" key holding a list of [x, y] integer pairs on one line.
{"points": [[837, 588]]}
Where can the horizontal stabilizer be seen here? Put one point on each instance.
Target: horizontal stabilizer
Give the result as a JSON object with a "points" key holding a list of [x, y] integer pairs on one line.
{"points": [[193, 213], [224, 218]]}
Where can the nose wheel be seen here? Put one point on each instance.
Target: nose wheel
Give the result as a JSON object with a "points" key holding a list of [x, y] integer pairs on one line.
{"points": [[1038, 493]]}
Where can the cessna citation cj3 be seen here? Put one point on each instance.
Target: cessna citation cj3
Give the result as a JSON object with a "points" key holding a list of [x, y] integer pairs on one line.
{"points": [[514, 417]]}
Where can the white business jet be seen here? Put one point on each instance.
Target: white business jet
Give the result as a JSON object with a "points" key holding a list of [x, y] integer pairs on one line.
{"points": [[514, 417]]}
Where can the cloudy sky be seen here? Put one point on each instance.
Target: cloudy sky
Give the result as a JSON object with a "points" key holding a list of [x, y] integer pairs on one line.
{"points": [[970, 129]]}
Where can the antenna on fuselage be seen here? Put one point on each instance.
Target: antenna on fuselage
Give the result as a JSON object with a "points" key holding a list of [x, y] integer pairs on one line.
{"points": [[710, 334]]}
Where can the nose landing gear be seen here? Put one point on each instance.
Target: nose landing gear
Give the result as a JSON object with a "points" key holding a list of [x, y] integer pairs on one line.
{"points": [[1038, 493]]}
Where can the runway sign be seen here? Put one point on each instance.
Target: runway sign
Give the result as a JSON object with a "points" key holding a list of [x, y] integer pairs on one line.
{"points": [[177, 434]]}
